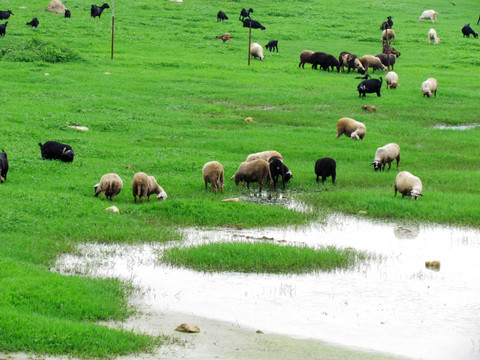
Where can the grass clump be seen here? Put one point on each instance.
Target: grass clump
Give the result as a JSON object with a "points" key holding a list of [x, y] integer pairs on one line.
{"points": [[263, 258], [38, 50]]}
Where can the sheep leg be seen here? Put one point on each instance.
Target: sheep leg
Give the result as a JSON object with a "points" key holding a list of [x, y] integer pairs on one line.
{"points": [[333, 178], [398, 160], [206, 185], [389, 165], [103, 196], [317, 179]]}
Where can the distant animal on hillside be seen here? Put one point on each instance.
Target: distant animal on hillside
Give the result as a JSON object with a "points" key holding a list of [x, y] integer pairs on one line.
{"points": [[391, 79], [432, 35], [278, 168], [245, 13], [408, 185], [387, 49], [369, 108], [110, 186], [253, 171], [265, 155], [351, 128], [256, 51], [429, 14], [34, 23], [388, 35], [212, 172], [221, 16], [3, 28], [467, 31], [224, 38], [97, 10], [53, 150], [387, 24], [324, 168], [144, 186], [272, 45], [3, 166], [305, 57], [386, 59], [253, 23], [4, 15], [351, 61], [326, 61], [370, 61], [429, 86], [385, 155], [68, 14], [370, 86]]}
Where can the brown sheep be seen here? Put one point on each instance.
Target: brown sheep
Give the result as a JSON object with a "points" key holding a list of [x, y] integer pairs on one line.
{"points": [[305, 56], [369, 108], [144, 186], [110, 186], [253, 171], [212, 172]]}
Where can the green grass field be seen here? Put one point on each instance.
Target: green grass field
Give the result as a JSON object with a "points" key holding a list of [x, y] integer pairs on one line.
{"points": [[175, 98]]}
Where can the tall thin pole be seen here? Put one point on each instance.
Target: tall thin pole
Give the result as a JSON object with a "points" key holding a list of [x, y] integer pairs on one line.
{"points": [[249, 41], [113, 25]]}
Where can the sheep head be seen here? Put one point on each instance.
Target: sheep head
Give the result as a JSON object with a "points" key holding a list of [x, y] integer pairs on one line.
{"points": [[415, 194]]}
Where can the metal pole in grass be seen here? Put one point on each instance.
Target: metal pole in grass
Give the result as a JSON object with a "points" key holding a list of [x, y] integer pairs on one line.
{"points": [[113, 26], [249, 41]]}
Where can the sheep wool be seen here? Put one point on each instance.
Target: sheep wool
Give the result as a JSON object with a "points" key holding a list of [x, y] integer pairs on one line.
{"points": [[408, 185], [429, 86], [351, 128], [392, 79], [265, 155], [256, 50], [212, 172], [110, 186], [385, 155]]}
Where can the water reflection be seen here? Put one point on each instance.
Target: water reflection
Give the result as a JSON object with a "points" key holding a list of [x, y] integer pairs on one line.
{"points": [[395, 305]]}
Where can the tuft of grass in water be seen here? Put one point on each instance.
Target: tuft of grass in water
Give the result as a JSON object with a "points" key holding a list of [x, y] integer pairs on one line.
{"points": [[263, 258]]}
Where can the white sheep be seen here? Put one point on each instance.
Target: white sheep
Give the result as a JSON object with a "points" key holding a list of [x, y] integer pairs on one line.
{"points": [[388, 35], [212, 172], [432, 35], [265, 155], [429, 14], [373, 62], [385, 155], [110, 186], [408, 185], [352, 128], [392, 79], [429, 86], [256, 50], [144, 186]]}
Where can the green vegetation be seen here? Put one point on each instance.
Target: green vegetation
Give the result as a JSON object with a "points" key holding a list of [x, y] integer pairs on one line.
{"points": [[174, 98], [263, 258]]}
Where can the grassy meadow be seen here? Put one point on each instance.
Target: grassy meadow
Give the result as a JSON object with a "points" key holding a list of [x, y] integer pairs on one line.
{"points": [[175, 98]]}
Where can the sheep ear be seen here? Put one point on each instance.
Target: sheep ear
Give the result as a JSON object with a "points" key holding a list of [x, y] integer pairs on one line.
{"points": [[420, 194], [372, 163]]}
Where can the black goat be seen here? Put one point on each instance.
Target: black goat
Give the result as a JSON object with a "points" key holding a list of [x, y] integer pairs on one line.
{"points": [[245, 13], [467, 31], [324, 168], [369, 87], [278, 168], [221, 16], [97, 10], [387, 24], [4, 15], [55, 150], [272, 45], [254, 24], [68, 14], [3, 166], [3, 27], [34, 23]]}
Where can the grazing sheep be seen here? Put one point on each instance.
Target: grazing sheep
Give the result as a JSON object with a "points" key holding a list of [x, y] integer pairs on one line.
{"points": [[408, 185], [432, 35], [324, 168], [221, 16], [387, 24], [97, 10], [429, 86], [253, 171], [3, 166], [373, 62], [3, 27], [305, 57], [387, 49], [110, 186], [388, 35], [467, 31], [351, 61], [225, 37], [254, 24], [326, 61], [391, 79], [386, 59], [212, 172], [385, 155], [34, 23], [369, 87], [278, 168], [256, 51], [55, 150], [369, 108], [144, 185], [272, 45], [4, 15], [68, 14], [351, 128], [429, 14], [245, 13], [265, 155]]}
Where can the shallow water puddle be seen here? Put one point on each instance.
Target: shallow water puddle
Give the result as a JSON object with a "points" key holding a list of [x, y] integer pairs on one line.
{"points": [[456, 127], [395, 305]]}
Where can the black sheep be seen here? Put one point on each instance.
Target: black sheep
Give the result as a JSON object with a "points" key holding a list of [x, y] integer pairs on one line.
{"points": [[34, 23], [278, 168], [245, 13], [3, 27], [3, 166], [221, 16], [384, 58], [369, 87], [253, 23], [55, 150], [4, 15], [467, 31], [68, 14], [326, 61], [97, 10], [324, 168], [272, 45]]}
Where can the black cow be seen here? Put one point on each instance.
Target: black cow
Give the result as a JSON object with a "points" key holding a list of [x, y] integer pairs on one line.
{"points": [[272, 45], [278, 168], [68, 14], [245, 13], [324, 168], [97, 10], [467, 31], [326, 61], [254, 24], [4, 15], [3, 166], [55, 150], [34, 23], [3, 27], [221, 16], [369, 87]]}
